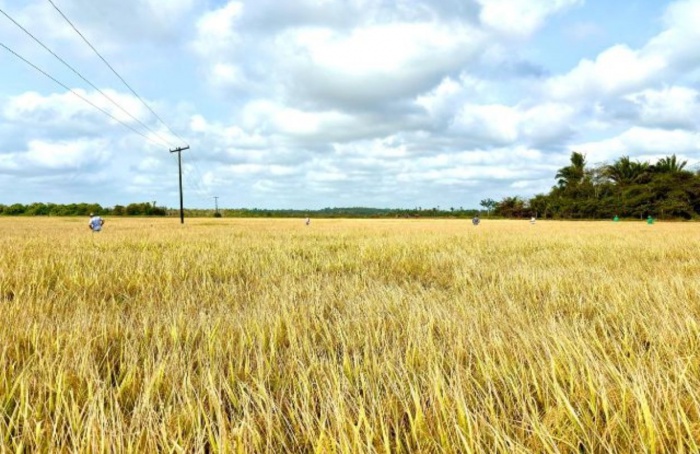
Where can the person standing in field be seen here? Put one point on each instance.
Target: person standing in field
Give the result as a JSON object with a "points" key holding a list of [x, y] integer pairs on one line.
{"points": [[96, 222], [307, 221], [476, 220]]}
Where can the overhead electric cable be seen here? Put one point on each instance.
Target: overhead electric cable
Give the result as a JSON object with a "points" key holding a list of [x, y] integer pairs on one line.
{"points": [[115, 71], [198, 186], [79, 95], [126, 84], [77, 73]]}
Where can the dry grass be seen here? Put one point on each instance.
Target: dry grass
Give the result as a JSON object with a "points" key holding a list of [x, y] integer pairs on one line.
{"points": [[349, 336]]}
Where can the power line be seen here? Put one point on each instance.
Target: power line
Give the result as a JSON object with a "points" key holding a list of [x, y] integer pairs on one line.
{"points": [[199, 187], [115, 71], [76, 72], [198, 176], [78, 94]]}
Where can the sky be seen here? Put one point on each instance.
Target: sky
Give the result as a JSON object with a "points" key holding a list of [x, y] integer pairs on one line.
{"points": [[309, 104]]}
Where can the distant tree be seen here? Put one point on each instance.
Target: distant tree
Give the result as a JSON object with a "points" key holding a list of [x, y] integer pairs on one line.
{"points": [[15, 209], [669, 164], [512, 207], [540, 205], [625, 171], [573, 174], [134, 209], [37, 209], [489, 205]]}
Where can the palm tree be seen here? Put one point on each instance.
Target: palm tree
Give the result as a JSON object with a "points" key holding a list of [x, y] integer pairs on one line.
{"points": [[669, 164], [572, 175], [625, 171]]}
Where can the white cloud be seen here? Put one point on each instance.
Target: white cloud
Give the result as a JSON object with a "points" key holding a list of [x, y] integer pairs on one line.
{"points": [[370, 65], [216, 30], [382, 49], [618, 70], [66, 109], [223, 136], [247, 170], [369, 62], [110, 25], [520, 17], [504, 125], [315, 103], [621, 70], [548, 122], [445, 99], [494, 123], [640, 141], [670, 107], [678, 41], [42, 156], [279, 119]]}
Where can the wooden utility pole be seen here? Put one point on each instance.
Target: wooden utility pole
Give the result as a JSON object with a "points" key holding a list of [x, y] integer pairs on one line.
{"points": [[179, 151]]}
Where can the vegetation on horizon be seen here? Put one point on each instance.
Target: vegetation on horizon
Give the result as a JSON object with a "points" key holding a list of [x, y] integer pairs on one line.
{"points": [[625, 188], [349, 336], [147, 209]]}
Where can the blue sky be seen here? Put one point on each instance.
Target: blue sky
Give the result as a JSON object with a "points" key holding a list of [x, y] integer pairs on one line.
{"points": [[319, 103]]}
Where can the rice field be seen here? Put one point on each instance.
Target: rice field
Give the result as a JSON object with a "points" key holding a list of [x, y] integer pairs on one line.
{"points": [[387, 336]]}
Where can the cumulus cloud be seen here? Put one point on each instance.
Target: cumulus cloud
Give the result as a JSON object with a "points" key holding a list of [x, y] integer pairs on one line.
{"points": [[520, 17], [614, 72], [543, 125], [674, 107], [359, 102], [676, 42], [368, 64], [216, 30], [52, 158], [641, 142]]}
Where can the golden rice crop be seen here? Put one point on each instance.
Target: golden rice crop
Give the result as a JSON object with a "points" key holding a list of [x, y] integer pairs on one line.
{"points": [[349, 336]]}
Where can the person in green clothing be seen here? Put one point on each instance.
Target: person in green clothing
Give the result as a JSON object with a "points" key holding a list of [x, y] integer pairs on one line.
{"points": [[616, 219], [650, 220]]}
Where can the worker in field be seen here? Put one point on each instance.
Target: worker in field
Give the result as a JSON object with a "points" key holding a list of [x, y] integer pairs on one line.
{"points": [[476, 220], [307, 221], [96, 222]]}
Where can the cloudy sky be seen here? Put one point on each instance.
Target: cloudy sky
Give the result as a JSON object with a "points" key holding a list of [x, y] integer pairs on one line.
{"points": [[323, 103]]}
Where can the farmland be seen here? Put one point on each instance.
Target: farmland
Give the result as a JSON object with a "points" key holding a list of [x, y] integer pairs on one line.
{"points": [[349, 336]]}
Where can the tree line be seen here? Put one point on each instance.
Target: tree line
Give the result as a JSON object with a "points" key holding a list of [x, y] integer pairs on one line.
{"points": [[150, 209], [355, 212], [627, 188], [82, 209]]}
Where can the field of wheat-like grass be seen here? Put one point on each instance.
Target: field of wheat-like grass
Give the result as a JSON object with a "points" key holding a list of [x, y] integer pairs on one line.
{"points": [[349, 336]]}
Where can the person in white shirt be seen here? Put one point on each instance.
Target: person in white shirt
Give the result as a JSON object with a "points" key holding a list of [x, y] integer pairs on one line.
{"points": [[96, 222]]}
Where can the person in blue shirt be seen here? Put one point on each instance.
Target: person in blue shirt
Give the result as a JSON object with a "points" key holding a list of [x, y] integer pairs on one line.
{"points": [[96, 222]]}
